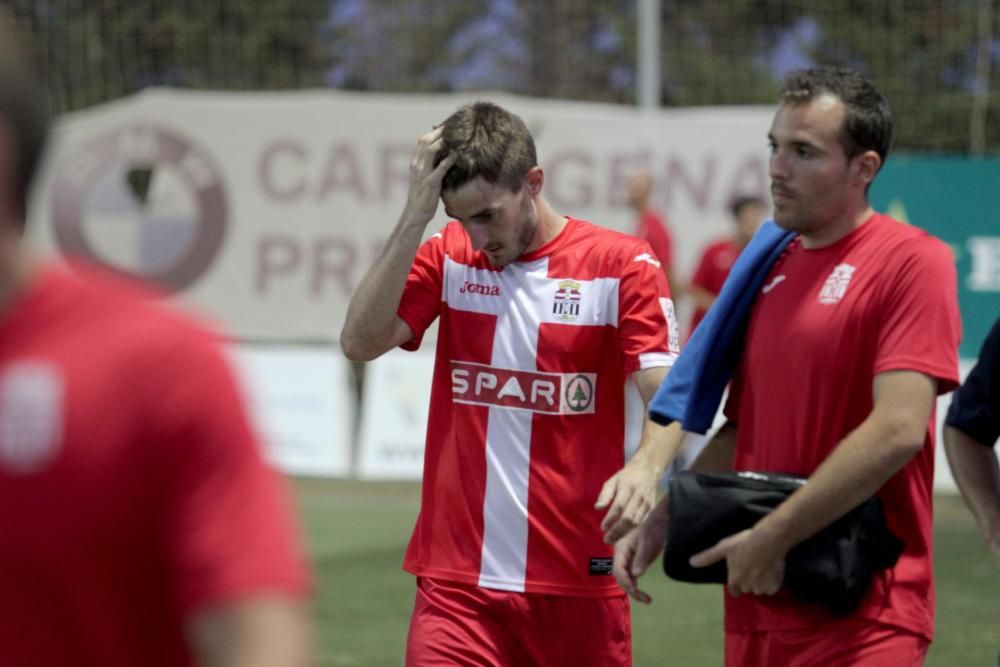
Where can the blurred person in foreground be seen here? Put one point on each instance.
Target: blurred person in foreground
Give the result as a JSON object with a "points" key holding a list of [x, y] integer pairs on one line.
{"points": [[651, 225], [718, 257], [140, 525], [970, 435], [543, 318], [853, 335]]}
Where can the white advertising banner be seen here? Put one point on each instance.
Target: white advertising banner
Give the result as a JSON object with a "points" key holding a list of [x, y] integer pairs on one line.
{"points": [[301, 401], [394, 408], [264, 209]]}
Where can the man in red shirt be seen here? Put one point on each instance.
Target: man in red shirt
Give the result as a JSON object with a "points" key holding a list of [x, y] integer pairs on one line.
{"points": [[852, 336], [542, 320], [718, 257], [651, 225], [140, 524]]}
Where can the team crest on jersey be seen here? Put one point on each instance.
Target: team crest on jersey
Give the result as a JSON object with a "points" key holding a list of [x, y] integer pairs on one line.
{"points": [[31, 415], [836, 284], [548, 393], [566, 306]]}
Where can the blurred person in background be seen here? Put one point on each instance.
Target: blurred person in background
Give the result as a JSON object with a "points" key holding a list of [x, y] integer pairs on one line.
{"points": [[718, 257], [851, 338], [543, 318], [140, 523], [970, 436], [651, 225]]}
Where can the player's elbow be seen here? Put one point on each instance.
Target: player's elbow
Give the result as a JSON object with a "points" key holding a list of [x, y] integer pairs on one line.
{"points": [[905, 435], [356, 348]]}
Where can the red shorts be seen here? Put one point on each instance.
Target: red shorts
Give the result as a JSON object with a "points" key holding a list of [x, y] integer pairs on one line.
{"points": [[458, 624], [846, 643]]}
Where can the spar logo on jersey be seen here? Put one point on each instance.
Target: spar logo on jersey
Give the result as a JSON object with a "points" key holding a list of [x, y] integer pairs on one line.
{"points": [[31, 415], [836, 284], [566, 305], [547, 393], [142, 200]]}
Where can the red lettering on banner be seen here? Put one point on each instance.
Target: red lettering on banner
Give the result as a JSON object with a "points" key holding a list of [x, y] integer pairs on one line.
{"points": [[288, 171], [619, 170], [276, 256], [700, 190], [283, 153], [750, 178], [318, 266], [342, 171], [333, 261], [503, 387], [583, 189], [394, 169]]}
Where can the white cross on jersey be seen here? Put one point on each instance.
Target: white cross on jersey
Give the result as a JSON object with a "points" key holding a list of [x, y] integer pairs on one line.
{"points": [[524, 302]]}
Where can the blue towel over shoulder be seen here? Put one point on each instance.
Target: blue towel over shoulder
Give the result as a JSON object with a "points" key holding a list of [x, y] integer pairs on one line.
{"points": [[693, 389]]}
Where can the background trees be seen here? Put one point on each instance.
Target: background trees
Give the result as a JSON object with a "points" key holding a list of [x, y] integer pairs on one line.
{"points": [[933, 58]]}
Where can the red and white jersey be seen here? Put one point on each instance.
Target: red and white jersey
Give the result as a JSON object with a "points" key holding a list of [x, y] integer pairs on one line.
{"points": [[527, 415], [827, 321]]}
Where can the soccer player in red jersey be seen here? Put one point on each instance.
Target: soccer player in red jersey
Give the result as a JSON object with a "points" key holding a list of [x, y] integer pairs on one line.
{"points": [[853, 335], [140, 525], [543, 319], [718, 257], [651, 224]]}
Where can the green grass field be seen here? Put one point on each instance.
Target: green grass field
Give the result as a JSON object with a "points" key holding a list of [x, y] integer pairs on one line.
{"points": [[357, 533]]}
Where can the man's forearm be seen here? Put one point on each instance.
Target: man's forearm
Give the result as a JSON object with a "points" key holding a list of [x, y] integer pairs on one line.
{"points": [[658, 444], [859, 465], [371, 326], [260, 632], [658, 447], [977, 474], [371, 314]]}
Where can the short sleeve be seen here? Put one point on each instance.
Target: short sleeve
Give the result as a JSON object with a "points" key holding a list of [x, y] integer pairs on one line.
{"points": [[421, 302], [230, 532], [919, 324], [647, 323], [975, 406]]}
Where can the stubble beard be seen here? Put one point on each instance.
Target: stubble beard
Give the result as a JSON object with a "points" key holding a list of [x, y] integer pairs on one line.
{"points": [[526, 231]]}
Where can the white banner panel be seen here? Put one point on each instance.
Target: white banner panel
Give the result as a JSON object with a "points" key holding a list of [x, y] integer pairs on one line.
{"points": [[394, 408], [301, 401], [264, 209]]}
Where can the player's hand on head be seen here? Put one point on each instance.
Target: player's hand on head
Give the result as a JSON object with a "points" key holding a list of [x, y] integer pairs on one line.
{"points": [[425, 178], [629, 496]]}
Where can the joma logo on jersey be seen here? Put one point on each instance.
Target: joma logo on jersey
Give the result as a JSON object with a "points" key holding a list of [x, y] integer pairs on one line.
{"points": [[476, 288], [566, 305], [549, 393]]}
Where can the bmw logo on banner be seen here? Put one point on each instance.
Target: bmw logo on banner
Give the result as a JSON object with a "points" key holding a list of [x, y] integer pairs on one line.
{"points": [[142, 200]]}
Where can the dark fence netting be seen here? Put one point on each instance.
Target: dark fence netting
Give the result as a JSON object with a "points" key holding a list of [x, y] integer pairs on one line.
{"points": [[934, 59]]}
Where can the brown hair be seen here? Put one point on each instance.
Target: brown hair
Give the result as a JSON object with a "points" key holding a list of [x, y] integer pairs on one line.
{"points": [[488, 141], [867, 119]]}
